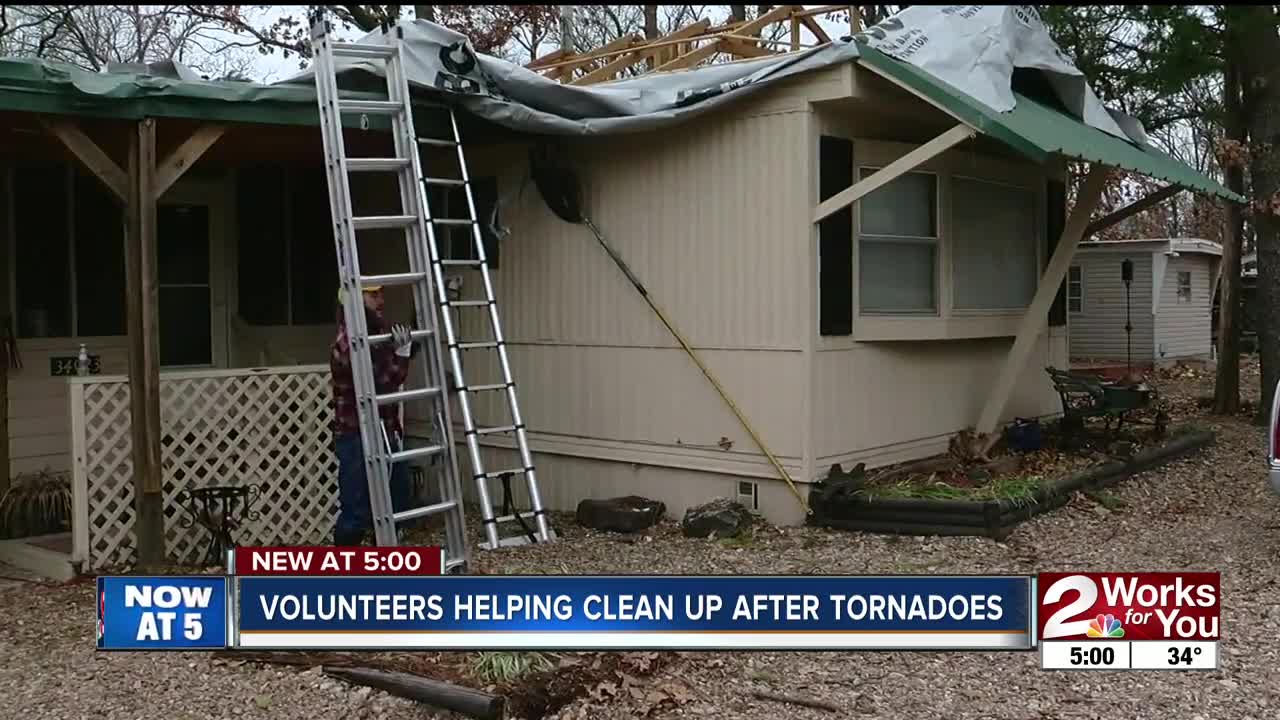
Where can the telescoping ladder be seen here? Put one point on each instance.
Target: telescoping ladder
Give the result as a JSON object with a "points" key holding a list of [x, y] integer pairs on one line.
{"points": [[426, 275]]}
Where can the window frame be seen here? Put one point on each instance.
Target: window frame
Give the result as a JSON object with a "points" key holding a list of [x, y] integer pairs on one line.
{"points": [[1078, 283], [935, 242], [1181, 299], [946, 322]]}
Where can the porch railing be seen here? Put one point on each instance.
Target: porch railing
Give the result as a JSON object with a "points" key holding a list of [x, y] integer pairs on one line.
{"points": [[219, 427]]}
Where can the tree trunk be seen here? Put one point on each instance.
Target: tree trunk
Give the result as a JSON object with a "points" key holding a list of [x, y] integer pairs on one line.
{"points": [[566, 28], [425, 12], [738, 13], [1256, 38], [650, 22], [1226, 391], [5, 315]]}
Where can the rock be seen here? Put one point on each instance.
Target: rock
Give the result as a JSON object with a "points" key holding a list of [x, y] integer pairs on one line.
{"points": [[621, 514], [722, 518], [1228, 684]]}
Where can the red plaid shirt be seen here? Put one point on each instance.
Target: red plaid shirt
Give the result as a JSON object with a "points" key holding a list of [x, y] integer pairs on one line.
{"points": [[389, 372]]}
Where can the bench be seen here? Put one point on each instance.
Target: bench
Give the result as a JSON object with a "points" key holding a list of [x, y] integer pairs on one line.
{"points": [[1089, 396]]}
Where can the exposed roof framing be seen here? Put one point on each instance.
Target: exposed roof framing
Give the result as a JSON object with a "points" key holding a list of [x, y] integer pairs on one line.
{"points": [[688, 47]]}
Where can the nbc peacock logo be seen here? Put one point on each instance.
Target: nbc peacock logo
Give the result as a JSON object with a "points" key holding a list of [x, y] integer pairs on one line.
{"points": [[1105, 626]]}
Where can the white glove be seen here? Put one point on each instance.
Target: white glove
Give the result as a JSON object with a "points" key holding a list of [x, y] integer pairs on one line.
{"points": [[402, 339]]}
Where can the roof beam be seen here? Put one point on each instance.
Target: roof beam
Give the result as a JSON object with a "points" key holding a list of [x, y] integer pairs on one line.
{"points": [[1133, 208], [1036, 317], [186, 155], [691, 58], [893, 171], [778, 14], [609, 71], [815, 28], [92, 156]]}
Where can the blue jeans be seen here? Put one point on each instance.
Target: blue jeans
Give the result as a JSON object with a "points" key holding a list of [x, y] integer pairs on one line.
{"points": [[354, 515]]}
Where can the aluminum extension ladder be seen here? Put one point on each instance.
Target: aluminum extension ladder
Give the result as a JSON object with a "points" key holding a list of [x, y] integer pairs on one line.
{"points": [[426, 275]]}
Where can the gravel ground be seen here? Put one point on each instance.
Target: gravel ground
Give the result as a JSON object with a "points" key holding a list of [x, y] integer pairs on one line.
{"points": [[1211, 512]]}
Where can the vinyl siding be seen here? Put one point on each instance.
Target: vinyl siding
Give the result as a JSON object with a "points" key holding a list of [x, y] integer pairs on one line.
{"points": [[1183, 329], [1097, 332], [712, 220]]}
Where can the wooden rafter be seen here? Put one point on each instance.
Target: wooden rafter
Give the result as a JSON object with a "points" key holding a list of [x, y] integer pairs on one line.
{"points": [[687, 47]]}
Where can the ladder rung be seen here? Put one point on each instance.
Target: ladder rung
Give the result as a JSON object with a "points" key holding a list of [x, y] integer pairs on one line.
{"points": [[486, 388], [408, 278], [499, 473], [467, 303], [359, 50], [477, 345], [370, 107], [447, 182], [383, 222], [495, 430], [436, 142], [424, 511], [399, 396], [453, 221], [509, 518], [386, 337], [376, 164], [475, 263], [411, 453]]}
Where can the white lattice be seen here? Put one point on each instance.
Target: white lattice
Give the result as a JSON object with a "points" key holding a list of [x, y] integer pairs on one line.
{"points": [[265, 427]]}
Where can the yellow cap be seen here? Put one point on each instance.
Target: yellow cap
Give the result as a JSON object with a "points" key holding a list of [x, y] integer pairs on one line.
{"points": [[342, 293]]}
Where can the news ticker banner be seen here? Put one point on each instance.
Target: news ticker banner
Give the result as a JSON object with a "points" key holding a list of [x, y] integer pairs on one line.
{"points": [[395, 598]]}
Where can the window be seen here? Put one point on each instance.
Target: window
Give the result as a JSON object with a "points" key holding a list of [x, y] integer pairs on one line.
{"points": [[288, 273], [68, 270], [182, 253], [458, 243], [1184, 286], [835, 239], [898, 245], [1075, 289], [994, 239]]}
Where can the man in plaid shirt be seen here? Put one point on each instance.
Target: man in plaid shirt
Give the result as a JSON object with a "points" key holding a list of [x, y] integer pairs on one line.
{"points": [[390, 367]]}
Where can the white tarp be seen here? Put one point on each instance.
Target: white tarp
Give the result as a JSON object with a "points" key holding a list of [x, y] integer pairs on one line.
{"points": [[972, 47], [976, 47]]}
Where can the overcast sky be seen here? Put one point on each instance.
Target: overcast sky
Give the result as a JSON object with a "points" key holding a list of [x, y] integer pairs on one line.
{"points": [[275, 67]]}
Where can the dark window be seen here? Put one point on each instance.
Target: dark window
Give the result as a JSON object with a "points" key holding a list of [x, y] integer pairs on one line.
{"points": [[182, 249], [100, 278], [835, 239], [288, 274], [262, 250], [1055, 221], [42, 253], [458, 243], [313, 266]]}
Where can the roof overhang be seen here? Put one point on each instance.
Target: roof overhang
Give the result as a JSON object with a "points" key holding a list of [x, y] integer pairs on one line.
{"points": [[1039, 132]]}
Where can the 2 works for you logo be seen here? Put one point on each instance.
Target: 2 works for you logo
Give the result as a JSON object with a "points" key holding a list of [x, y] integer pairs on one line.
{"points": [[1129, 606]]}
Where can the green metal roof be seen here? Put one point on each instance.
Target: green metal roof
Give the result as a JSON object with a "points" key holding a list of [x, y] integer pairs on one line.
{"points": [[29, 85], [1040, 132]]}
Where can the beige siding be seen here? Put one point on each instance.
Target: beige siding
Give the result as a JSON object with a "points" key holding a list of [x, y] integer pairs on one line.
{"points": [[1183, 329], [881, 403], [1098, 331], [39, 423]]}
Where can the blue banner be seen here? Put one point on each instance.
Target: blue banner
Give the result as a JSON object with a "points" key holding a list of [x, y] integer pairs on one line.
{"points": [[162, 613], [635, 611]]}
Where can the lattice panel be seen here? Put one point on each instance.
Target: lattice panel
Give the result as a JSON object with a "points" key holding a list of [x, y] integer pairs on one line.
{"points": [[218, 428]]}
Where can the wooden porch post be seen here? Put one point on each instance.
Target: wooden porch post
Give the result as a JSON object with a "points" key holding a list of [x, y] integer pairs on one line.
{"points": [[144, 343], [1036, 318], [6, 314], [139, 190]]}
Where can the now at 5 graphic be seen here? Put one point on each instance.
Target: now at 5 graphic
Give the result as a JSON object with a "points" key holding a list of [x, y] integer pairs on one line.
{"points": [[162, 613], [1128, 606]]}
